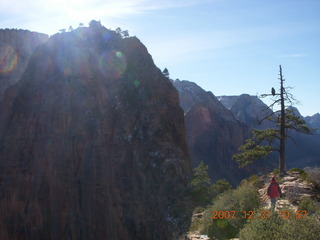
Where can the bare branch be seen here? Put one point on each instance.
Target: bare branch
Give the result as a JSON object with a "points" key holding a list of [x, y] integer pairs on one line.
{"points": [[291, 138], [266, 117]]}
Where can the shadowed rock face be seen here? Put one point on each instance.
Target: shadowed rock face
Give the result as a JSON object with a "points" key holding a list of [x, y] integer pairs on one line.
{"points": [[213, 133], [93, 145], [16, 47]]}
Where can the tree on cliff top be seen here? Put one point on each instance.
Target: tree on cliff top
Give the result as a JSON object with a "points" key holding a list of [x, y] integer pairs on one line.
{"points": [[263, 142], [165, 72]]}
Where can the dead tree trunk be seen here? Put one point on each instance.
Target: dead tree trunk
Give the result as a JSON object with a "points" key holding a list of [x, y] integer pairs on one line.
{"points": [[282, 126]]}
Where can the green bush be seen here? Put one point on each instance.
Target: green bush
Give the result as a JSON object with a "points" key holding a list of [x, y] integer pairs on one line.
{"points": [[314, 176], [281, 228], [307, 204], [300, 171], [307, 228], [198, 209], [256, 181], [220, 186], [304, 176], [257, 228], [244, 198], [253, 180], [221, 229], [276, 172]]}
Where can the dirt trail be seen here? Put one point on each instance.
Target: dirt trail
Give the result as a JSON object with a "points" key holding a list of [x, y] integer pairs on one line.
{"points": [[293, 190]]}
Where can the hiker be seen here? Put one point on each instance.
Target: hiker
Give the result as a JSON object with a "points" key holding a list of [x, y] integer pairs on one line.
{"points": [[274, 192]]}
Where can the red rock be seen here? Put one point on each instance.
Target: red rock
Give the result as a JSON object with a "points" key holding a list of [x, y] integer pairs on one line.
{"points": [[93, 145]]}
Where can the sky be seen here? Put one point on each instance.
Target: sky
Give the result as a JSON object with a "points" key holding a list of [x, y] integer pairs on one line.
{"points": [[228, 47]]}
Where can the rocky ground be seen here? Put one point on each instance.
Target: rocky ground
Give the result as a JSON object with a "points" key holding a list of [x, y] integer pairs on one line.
{"points": [[293, 188]]}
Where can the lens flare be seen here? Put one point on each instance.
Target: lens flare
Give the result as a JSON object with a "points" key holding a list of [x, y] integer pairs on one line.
{"points": [[112, 63], [136, 83], [8, 59], [119, 54]]}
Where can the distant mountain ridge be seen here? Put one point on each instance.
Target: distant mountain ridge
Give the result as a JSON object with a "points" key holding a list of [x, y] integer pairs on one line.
{"points": [[247, 109], [314, 121]]}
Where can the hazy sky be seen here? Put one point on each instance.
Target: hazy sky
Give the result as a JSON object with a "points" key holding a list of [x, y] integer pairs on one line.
{"points": [[228, 47]]}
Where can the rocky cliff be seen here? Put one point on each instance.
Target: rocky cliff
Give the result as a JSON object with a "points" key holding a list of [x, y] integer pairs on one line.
{"points": [[213, 133], [314, 121], [93, 145], [16, 47], [247, 109]]}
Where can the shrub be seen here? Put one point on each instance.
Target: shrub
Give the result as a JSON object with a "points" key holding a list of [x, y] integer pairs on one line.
{"points": [[256, 181], [253, 180], [244, 198], [257, 228], [198, 209], [276, 172], [301, 229], [314, 175], [304, 176], [307, 204], [221, 229], [300, 171], [280, 228]]}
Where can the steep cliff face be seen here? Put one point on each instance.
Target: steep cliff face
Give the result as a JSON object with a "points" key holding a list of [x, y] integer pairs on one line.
{"points": [[213, 133], [94, 145], [16, 47], [314, 121]]}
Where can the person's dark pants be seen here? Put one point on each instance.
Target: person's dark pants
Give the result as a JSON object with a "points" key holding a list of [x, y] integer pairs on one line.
{"points": [[273, 203]]}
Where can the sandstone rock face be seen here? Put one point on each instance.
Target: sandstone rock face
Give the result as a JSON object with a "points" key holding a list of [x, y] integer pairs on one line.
{"points": [[16, 47], [94, 145], [213, 133]]}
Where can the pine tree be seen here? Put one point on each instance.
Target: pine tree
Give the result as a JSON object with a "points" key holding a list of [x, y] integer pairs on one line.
{"points": [[201, 184], [165, 72], [220, 186], [263, 142]]}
